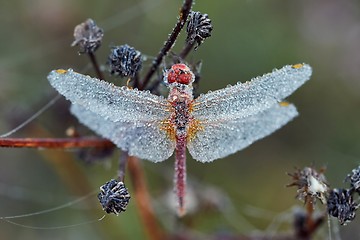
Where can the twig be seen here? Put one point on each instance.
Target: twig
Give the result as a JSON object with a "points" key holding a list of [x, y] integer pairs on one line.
{"points": [[186, 50], [84, 142], [309, 212], [143, 200], [183, 15], [95, 65], [123, 159]]}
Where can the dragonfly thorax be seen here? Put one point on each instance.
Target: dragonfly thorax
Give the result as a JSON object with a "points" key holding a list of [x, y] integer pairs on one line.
{"points": [[180, 99], [179, 73]]}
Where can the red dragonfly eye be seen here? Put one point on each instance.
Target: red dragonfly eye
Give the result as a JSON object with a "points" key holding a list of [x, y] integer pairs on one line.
{"points": [[180, 73]]}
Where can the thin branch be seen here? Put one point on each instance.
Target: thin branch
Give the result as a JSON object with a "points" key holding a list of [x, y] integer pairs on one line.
{"points": [[84, 142], [123, 159], [143, 200], [309, 211], [186, 50], [183, 15], [95, 65]]}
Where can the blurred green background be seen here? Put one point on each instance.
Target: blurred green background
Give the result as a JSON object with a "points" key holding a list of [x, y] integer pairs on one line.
{"points": [[250, 38]]}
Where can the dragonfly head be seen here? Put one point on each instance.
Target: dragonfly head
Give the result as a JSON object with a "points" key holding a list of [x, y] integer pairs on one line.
{"points": [[179, 73]]}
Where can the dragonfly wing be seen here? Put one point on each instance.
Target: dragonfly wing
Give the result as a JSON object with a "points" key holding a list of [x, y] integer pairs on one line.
{"points": [[107, 100], [246, 99], [143, 139], [221, 138]]}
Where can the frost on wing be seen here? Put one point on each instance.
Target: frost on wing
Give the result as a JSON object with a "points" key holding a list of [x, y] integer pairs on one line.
{"points": [[143, 139], [117, 104], [249, 98], [222, 137]]}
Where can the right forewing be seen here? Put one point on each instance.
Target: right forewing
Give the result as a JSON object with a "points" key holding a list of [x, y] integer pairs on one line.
{"points": [[249, 98]]}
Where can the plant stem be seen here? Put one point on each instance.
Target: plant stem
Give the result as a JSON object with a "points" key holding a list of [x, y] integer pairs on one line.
{"points": [[122, 165], [186, 50], [84, 142], [95, 65], [183, 15], [143, 200]]}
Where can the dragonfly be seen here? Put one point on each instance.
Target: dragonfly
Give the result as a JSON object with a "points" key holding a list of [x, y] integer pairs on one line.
{"points": [[211, 126]]}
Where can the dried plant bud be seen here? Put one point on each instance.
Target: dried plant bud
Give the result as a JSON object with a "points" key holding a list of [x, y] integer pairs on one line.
{"points": [[114, 197], [310, 183], [125, 61], [198, 28], [341, 205], [87, 36], [354, 179]]}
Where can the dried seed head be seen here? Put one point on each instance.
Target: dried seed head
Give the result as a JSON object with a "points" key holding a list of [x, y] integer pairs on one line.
{"points": [[341, 205], [311, 184], [114, 197], [354, 179], [87, 36], [124, 61], [198, 28]]}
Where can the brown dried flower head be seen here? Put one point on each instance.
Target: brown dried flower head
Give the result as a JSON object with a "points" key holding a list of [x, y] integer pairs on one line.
{"points": [[87, 36], [311, 184]]}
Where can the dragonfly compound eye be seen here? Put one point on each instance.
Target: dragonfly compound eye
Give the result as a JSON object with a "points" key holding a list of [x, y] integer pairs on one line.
{"points": [[180, 73]]}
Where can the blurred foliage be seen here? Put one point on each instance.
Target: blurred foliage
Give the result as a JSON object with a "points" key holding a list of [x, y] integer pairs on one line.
{"points": [[249, 38]]}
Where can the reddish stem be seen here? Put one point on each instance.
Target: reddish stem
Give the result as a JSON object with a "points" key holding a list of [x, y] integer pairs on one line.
{"points": [[84, 142], [143, 200], [180, 173], [310, 211]]}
